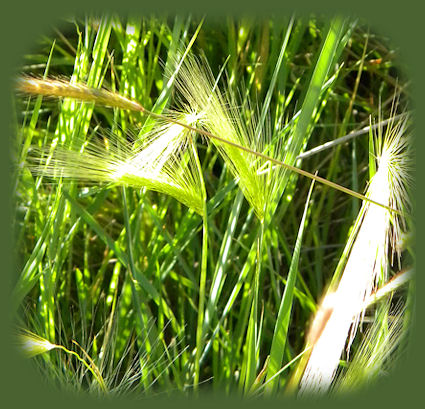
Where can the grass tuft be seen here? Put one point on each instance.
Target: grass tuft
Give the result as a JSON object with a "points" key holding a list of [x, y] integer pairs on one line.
{"points": [[192, 266]]}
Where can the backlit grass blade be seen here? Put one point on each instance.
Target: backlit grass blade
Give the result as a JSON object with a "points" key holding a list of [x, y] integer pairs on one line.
{"points": [[301, 132], [31, 270], [284, 315], [220, 271], [35, 115], [277, 70]]}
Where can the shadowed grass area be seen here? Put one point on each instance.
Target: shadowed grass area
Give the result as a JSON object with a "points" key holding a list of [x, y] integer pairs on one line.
{"points": [[168, 236]]}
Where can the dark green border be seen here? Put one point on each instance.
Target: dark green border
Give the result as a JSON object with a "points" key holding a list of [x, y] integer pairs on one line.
{"points": [[23, 23]]}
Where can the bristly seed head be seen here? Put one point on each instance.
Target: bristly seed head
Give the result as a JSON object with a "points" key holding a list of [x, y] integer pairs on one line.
{"points": [[32, 345], [219, 115], [161, 163], [367, 263]]}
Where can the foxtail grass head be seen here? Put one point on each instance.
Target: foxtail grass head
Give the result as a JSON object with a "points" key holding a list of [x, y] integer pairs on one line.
{"points": [[160, 163], [220, 115], [64, 89], [32, 345], [365, 262]]}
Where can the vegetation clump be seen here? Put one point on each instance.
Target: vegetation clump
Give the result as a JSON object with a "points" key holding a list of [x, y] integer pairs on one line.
{"points": [[196, 193]]}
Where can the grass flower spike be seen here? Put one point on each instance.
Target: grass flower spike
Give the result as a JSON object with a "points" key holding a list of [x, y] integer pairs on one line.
{"points": [[220, 115], [59, 88], [161, 163], [32, 345], [367, 264]]}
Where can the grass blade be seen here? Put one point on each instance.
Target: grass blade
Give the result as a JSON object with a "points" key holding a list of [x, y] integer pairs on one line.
{"points": [[284, 315]]}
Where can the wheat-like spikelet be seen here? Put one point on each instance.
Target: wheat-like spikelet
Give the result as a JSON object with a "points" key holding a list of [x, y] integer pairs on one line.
{"points": [[65, 89], [160, 163], [219, 115], [337, 319], [32, 344]]}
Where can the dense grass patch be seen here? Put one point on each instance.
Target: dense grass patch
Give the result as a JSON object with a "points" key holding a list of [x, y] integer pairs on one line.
{"points": [[159, 250]]}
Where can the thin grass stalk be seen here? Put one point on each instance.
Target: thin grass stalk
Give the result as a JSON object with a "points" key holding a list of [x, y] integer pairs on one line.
{"points": [[203, 275], [252, 344], [219, 275], [283, 318], [131, 270]]}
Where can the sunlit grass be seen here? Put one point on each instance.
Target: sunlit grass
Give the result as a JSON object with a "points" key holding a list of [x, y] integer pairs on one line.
{"points": [[158, 198], [368, 262]]}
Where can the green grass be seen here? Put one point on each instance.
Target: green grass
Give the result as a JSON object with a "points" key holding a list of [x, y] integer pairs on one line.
{"points": [[157, 259]]}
